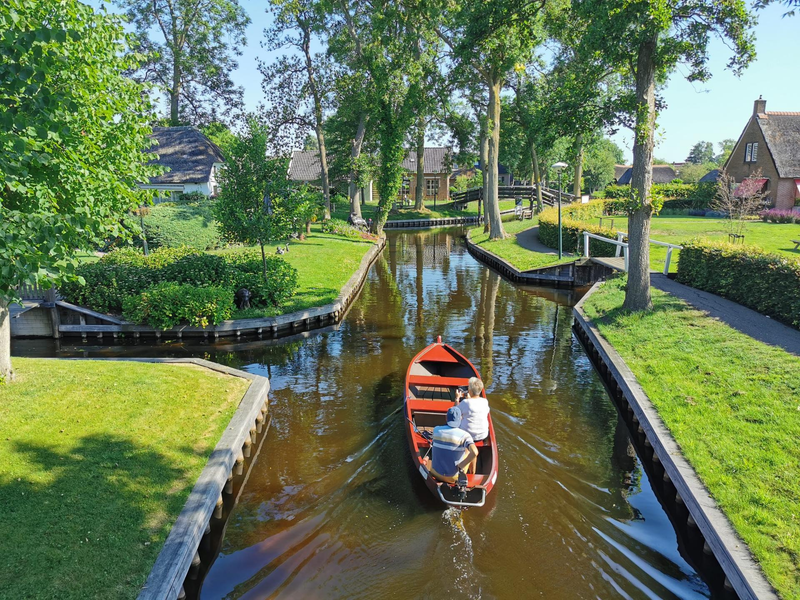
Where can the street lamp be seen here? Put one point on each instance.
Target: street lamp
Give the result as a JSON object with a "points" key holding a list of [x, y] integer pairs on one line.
{"points": [[558, 166]]}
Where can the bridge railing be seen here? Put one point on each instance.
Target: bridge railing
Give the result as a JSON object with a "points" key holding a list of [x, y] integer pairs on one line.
{"points": [[512, 192], [622, 247]]}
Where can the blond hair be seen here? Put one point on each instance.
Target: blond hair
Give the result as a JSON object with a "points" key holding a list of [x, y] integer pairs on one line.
{"points": [[475, 386]]}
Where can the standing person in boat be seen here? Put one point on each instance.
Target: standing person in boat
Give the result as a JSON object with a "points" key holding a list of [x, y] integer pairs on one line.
{"points": [[453, 449], [474, 414]]}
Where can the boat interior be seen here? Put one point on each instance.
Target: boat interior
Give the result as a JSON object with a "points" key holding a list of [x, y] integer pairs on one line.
{"points": [[426, 421]]}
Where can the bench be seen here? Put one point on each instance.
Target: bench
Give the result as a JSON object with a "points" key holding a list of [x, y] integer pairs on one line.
{"points": [[796, 244]]}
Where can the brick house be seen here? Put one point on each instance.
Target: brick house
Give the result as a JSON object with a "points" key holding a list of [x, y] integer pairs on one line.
{"points": [[770, 143], [438, 170]]}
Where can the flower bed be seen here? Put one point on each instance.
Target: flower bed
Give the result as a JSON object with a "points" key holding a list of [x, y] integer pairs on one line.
{"points": [[777, 215]]}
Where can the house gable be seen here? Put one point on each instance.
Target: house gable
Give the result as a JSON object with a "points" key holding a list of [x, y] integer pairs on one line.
{"points": [[739, 169]]}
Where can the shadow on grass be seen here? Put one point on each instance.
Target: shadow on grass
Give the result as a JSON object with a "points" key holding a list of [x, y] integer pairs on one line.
{"points": [[665, 304], [87, 523]]}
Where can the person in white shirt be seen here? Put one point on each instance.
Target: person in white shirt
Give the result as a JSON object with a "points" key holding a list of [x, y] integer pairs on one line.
{"points": [[474, 413]]}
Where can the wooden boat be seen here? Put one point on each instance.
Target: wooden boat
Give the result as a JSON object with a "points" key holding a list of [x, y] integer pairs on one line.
{"points": [[432, 379]]}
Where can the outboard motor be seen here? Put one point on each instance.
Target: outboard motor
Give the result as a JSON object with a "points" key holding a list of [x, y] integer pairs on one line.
{"points": [[461, 486]]}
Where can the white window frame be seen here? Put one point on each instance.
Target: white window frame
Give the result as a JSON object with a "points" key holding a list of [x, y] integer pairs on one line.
{"points": [[428, 186], [754, 153], [748, 150]]}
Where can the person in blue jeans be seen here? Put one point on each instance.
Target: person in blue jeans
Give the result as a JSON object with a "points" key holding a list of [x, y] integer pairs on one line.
{"points": [[453, 449]]}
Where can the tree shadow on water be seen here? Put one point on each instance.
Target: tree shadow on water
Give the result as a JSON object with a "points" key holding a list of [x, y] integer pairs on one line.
{"points": [[88, 522]]}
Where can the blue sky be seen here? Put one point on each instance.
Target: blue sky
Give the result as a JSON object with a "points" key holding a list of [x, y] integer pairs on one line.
{"points": [[710, 111]]}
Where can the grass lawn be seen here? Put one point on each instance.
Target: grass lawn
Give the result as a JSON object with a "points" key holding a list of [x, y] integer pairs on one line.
{"points": [[508, 249], [98, 459], [324, 264], [732, 404], [442, 210], [773, 237]]}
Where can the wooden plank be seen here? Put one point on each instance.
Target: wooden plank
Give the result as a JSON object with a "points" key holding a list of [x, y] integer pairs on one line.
{"points": [[89, 312], [731, 552]]}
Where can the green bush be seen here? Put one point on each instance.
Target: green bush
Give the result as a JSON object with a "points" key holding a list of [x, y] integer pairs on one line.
{"points": [[339, 227], [168, 304], [765, 282], [126, 273], [187, 222], [574, 219], [676, 195]]}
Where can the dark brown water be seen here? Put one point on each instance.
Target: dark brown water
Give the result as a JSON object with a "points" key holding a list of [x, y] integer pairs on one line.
{"points": [[333, 508]]}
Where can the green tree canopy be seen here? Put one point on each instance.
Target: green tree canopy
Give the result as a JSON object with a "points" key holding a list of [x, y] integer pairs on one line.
{"points": [[190, 47], [71, 143], [701, 152]]}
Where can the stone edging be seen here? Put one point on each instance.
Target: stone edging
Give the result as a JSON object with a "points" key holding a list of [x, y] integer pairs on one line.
{"points": [[294, 322], [558, 275], [742, 572]]}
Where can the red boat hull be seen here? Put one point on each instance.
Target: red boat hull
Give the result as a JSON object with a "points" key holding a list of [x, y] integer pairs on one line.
{"points": [[431, 382]]}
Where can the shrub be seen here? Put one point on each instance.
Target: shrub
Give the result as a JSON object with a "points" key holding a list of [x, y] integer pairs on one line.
{"points": [[168, 304], [574, 221], [776, 215], [753, 277], [125, 273], [187, 222], [339, 227], [676, 195]]}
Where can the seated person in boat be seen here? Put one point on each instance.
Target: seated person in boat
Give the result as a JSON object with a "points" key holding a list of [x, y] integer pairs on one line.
{"points": [[452, 449], [474, 413]]}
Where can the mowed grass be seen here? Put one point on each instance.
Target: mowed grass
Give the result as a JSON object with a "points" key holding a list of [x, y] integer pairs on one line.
{"points": [[324, 264], [773, 237], [97, 459], [733, 405], [441, 210], [510, 250]]}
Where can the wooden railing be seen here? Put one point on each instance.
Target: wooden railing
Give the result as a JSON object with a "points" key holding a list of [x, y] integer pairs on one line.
{"points": [[512, 192], [36, 293]]}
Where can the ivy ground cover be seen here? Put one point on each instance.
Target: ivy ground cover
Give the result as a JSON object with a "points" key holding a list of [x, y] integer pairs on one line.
{"points": [[98, 458], [732, 405]]}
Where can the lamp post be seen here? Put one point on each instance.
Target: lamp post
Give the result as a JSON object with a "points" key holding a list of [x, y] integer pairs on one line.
{"points": [[558, 166]]}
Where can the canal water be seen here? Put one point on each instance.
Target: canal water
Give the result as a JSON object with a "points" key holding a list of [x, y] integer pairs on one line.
{"points": [[333, 507]]}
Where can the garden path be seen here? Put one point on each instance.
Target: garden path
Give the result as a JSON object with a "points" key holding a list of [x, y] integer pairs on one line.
{"points": [[743, 319], [529, 239]]}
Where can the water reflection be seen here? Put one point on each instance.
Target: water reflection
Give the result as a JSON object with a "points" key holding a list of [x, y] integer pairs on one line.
{"points": [[333, 508]]}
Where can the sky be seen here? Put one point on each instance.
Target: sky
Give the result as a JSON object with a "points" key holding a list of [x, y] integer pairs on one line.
{"points": [[711, 111]]}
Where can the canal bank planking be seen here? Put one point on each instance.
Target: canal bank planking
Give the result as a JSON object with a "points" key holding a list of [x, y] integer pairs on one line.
{"points": [[180, 558], [719, 540]]}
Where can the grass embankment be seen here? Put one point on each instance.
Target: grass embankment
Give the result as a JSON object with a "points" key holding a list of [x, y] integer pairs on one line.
{"points": [[324, 264], [773, 237], [442, 210], [510, 250], [732, 404], [98, 459]]}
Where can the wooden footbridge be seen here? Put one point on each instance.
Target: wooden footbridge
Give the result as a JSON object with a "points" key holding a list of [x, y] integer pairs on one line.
{"points": [[524, 193]]}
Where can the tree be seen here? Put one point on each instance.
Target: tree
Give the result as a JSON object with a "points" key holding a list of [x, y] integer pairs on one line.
{"points": [[726, 146], [253, 198], [73, 134], [491, 37], [738, 203], [193, 57], [601, 156], [652, 38], [298, 83], [220, 134], [701, 152]]}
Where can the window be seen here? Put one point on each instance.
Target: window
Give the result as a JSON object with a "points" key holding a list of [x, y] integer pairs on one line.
{"points": [[751, 152], [431, 187]]}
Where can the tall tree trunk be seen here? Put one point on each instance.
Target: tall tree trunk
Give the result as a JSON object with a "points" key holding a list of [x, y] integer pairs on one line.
{"points": [[484, 150], [419, 192], [537, 180], [174, 94], [355, 152], [318, 122], [576, 184], [496, 230], [6, 372], [637, 294]]}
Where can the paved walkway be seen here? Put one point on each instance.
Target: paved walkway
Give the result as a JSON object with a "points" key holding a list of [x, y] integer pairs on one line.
{"points": [[529, 239], [743, 319]]}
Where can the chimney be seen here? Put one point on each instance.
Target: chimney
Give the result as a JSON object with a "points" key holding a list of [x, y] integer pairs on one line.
{"points": [[759, 106]]}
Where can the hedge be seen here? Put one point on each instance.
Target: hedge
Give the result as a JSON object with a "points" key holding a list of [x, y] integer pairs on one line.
{"points": [[168, 304], [126, 273], [191, 224], [765, 282], [676, 195], [573, 217]]}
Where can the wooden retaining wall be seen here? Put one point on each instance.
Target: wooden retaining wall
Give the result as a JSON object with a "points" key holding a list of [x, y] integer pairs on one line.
{"points": [[282, 325], [721, 551], [180, 562]]}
